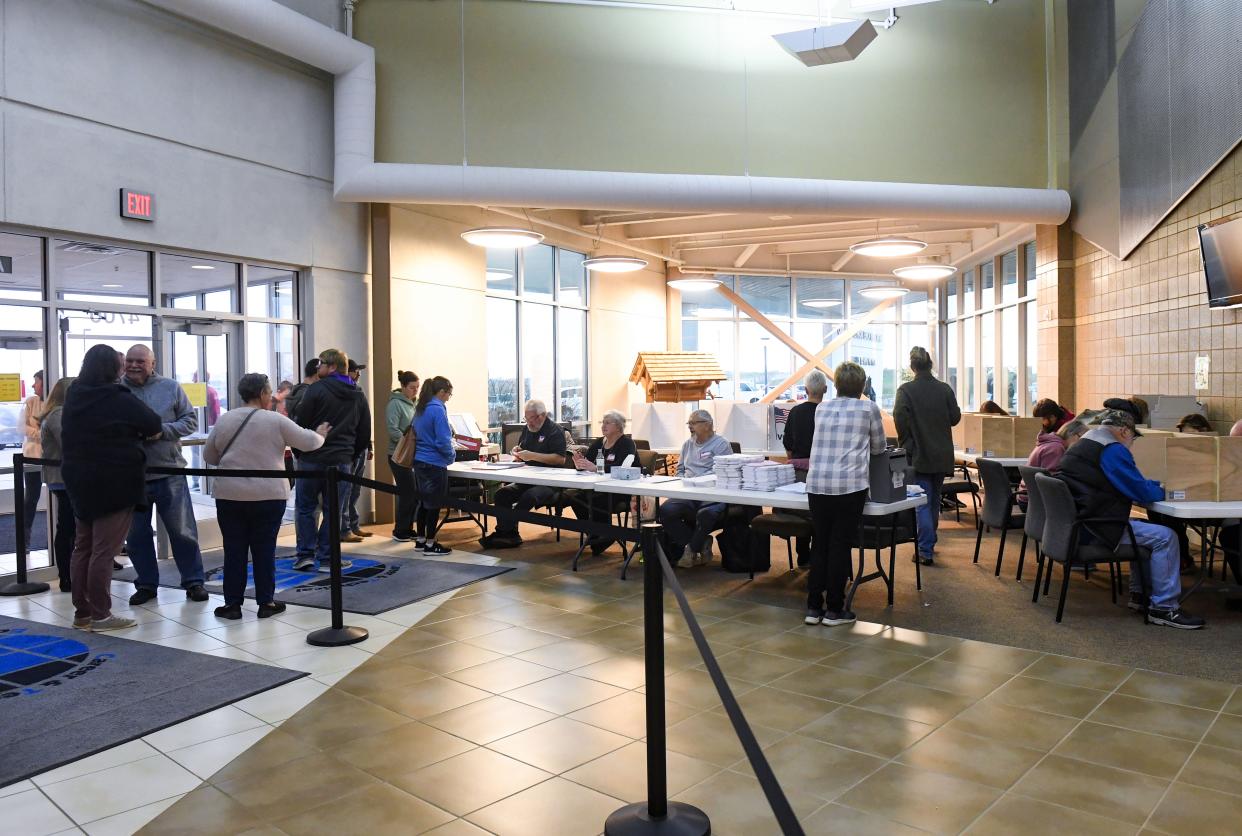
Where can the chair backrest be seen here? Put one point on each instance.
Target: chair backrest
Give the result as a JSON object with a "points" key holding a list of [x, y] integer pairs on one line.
{"points": [[641, 444], [996, 492], [735, 446], [1034, 527], [509, 436], [1060, 514], [647, 461]]}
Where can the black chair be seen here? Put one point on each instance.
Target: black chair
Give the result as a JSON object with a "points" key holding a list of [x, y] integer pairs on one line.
{"points": [[735, 446], [877, 535], [1061, 542], [1033, 529], [951, 489], [785, 525], [999, 497], [650, 461]]}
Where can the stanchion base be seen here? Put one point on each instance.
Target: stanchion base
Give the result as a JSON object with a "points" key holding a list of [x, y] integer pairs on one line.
{"points": [[682, 820], [329, 637], [29, 588]]}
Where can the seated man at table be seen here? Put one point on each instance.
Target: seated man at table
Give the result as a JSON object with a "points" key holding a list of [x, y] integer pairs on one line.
{"points": [[688, 524], [542, 445], [1105, 481]]}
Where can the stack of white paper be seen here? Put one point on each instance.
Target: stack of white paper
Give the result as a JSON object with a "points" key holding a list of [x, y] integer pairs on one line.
{"points": [[728, 469], [766, 476]]}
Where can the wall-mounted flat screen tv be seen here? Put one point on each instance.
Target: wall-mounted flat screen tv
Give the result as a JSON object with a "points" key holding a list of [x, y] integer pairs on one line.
{"points": [[1221, 243]]}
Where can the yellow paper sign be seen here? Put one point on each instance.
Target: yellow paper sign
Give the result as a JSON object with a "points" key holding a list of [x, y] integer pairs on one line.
{"points": [[196, 392], [10, 387]]}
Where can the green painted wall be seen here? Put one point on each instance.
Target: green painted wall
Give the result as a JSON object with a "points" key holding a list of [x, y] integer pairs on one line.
{"points": [[955, 93]]}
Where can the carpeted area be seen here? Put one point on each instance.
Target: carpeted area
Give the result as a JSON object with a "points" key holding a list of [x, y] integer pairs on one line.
{"points": [[66, 694], [372, 585], [962, 599], [38, 533]]}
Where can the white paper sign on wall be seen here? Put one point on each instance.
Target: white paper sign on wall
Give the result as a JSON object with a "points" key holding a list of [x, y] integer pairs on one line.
{"points": [[1202, 367]]}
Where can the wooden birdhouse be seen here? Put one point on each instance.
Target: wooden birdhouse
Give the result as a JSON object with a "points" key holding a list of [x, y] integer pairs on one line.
{"points": [[676, 376]]}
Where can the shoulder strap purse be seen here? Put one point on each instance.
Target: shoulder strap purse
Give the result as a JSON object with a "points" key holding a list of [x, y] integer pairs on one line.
{"points": [[404, 454], [229, 446]]}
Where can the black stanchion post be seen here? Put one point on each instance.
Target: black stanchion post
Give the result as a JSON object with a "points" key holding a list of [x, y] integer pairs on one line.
{"points": [[338, 634], [21, 586], [657, 815]]}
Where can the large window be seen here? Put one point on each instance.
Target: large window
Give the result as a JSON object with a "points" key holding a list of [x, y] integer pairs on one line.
{"points": [[1001, 365], [536, 332], [814, 311]]}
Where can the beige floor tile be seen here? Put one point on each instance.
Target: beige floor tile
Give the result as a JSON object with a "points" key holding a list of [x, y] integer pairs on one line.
{"points": [[381, 674], [488, 719], [811, 767], [135, 750], [1226, 731], [469, 781], [576, 625], [375, 809], [553, 808], [626, 670], [1080, 672], [205, 811], [802, 647], [559, 745], [565, 655], [623, 772], [1193, 811], [866, 731], [629, 609], [447, 658], [277, 749], [1183, 690], [564, 694], [1020, 726], [336, 717], [884, 664], [1154, 717], [696, 689], [828, 683], [782, 617], [759, 668], [503, 674], [681, 653], [981, 760], [464, 627], [513, 641], [206, 758], [315, 779], [833, 818], [626, 714], [710, 737], [741, 634], [1234, 706], [1091, 788], [914, 702], [736, 805], [956, 678], [1014, 814], [1048, 697], [30, 813], [922, 799], [1216, 769], [400, 750], [619, 637], [412, 641], [457, 827], [483, 602], [916, 642], [120, 788], [431, 696], [994, 657], [783, 710], [1160, 757]]}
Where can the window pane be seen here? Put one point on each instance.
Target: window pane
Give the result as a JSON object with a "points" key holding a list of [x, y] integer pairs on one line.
{"points": [[571, 364], [198, 284], [763, 361], [1029, 254], [1009, 277], [875, 349], [951, 360], [987, 355], [968, 364], [21, 353], [1032, 352], [537, 273], [816, 335], [914, 307], [502, 394], [768, 294], [102, 273], [501, 270], [537, 354], [21, 267], [83, 329], [715, 338], [968, 293], [987, 295], [824, 291], [860, 304], [951, 295], [269, 292], [270, 351], [572, 278], [706, 301], [1009, 357]]}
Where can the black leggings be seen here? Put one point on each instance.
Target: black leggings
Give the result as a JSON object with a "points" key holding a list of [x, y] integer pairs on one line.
{"points": [[66, 533], [835, 518], [432, 480], [406, 501]]}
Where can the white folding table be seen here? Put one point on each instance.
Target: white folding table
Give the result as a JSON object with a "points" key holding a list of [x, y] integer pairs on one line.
{"points": [[1203, 512]]}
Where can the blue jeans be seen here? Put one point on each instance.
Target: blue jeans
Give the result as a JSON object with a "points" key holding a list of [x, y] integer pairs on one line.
{"points": [[312, 542], [928, 515], [1166, 563], [171, 498], [349, 519], [249, 530]]}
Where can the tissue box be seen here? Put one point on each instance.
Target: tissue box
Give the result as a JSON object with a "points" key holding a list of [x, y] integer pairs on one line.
{"points": [[626, 474]]}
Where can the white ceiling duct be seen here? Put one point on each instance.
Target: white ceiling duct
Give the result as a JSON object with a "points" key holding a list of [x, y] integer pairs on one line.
{"points": [[358, 177]]}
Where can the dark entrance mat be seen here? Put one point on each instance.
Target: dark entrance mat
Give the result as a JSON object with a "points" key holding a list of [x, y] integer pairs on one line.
{"points": [[38, 533], [66, 694], [374, 584]]}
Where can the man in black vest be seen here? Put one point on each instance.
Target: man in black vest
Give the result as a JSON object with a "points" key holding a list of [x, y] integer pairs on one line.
{"points": [[1105, 481]]}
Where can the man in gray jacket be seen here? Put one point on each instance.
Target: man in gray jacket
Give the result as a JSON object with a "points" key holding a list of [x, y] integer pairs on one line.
{"points": [[925, 413], [169, 494]]}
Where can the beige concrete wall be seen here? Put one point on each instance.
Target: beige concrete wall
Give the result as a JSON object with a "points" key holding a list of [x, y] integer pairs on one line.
{"points": [[954, 93]]}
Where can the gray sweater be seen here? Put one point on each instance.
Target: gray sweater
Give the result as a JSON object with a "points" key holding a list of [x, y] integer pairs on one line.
{"points": [[259, 446], [49, 436], [698, 459], [168, 400]]}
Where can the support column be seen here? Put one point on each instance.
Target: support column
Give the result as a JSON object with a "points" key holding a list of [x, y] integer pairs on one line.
{"points": [[1054, 299], [382, 372]]}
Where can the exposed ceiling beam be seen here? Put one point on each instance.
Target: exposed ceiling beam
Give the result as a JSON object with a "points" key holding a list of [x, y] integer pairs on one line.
{"points": [[741, 260], [590, 220], [843, 260], [612, 242], [728, 224], [713, 270], [836, 246], [932, 236]]}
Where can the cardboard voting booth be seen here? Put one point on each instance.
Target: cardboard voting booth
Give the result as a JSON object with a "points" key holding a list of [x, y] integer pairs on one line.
{"points": [[998, 435], [663, 425]]}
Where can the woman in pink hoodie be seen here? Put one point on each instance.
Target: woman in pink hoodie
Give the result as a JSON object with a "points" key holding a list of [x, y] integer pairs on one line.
{"points": [[1049, 448]]}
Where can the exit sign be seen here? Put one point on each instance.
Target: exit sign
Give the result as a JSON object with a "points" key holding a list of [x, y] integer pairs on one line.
{"points": [[137, 205]]}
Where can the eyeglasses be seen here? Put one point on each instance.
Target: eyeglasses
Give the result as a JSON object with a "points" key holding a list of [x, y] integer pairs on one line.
{"points": [[692, 423]]}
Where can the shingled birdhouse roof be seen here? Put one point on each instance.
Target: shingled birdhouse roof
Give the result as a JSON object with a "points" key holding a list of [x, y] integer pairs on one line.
{"points": [[676, 376]]}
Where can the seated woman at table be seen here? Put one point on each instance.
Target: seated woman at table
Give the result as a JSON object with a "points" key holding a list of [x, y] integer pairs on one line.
{"points": [[688, 524], [1051, 414], [991, 408], [1049, 448], [1195, 423], [848, 432], [616, 447]]}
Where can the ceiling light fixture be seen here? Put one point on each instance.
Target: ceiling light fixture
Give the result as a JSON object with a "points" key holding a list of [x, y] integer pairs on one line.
{"points": [[889, 246], [112, 286], [881, 292], [928, 272], [694, 284], [820, 304], [614, 264], [502, 237], [201, 267], [495, 275]]}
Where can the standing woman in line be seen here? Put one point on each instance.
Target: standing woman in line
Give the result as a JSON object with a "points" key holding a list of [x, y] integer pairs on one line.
{"points": [[103, 427], [432, 456], [399, 416], [31, 449], [49, 438], [848, 432]]}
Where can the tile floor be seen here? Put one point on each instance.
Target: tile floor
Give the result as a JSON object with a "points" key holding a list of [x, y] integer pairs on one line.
{"points": [[515, 706]]}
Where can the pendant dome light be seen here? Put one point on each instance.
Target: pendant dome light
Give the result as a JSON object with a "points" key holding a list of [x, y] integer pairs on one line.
{"points": [[888, 246], [930, 271], [882, 292], [820, 304], [502, 237], [614, 264], [695, 283]]}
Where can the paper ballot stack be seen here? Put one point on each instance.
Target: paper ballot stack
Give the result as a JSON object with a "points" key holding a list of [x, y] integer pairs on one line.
{"points": [[728, 469], [766, 476]]}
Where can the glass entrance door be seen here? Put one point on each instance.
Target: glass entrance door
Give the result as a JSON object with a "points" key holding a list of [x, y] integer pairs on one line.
{"points": [[199, 354]]}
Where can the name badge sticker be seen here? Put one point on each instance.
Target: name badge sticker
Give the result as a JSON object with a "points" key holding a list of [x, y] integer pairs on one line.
{"points": [[703, 454], [541, 439], [612, 457]]}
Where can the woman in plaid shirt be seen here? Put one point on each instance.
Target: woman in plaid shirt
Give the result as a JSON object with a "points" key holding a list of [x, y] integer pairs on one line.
{"points": [[848, 432]]}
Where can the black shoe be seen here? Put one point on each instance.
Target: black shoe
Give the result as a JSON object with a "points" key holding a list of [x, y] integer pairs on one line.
{"points": [[1137, 602], [141, 596], [116, 566], [232, 613], [270, 609], [197, 593], [435, 548], [925, 559], [304, 564], [598, 547], [1175, 618], [402, 538], [835, 619], [66, 586]]}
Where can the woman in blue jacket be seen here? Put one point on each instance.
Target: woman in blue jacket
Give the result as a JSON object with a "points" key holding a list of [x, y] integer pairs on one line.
{"points": [[432, 456]]}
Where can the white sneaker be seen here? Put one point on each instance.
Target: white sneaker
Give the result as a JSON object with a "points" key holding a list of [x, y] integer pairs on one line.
{"points": [[112, 622], [699, 559], [689, 557]]}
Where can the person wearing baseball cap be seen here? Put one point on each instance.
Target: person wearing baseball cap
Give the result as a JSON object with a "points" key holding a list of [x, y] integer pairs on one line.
{"points": [[1105, 482], [351, 531]]}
